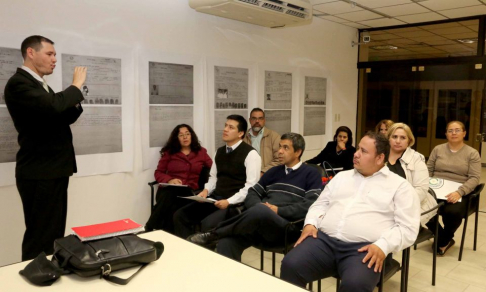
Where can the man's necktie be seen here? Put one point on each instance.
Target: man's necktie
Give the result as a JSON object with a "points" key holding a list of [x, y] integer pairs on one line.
{"points": [[44, 84], [229, 149], [289, 170]]}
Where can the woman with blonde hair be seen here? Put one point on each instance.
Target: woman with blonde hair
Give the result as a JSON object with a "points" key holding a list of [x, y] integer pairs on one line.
{"points": [[457, 162], [410, 164], [383, 126]]}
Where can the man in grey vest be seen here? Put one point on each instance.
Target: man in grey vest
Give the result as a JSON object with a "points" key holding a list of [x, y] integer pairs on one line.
{"points": [[236, 168]]}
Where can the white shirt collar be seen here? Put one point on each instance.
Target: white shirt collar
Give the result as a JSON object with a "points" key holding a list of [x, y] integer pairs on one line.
{"points": [[235, 145], [384, 170], [37, 77], [295, 167]]}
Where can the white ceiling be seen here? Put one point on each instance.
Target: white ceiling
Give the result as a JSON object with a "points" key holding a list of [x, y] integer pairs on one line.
{"points": [[381, 13]]}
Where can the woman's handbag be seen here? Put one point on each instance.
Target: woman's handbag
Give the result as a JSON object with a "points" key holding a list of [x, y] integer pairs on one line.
{"points": [[103, 256], [329, 173]]}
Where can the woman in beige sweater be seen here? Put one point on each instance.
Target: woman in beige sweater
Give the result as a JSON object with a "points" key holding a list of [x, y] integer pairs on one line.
{"points": [[457, 162]]}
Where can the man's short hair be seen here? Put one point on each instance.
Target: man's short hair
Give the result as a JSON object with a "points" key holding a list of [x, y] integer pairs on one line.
{"points": [[242, 124], [298, 141], [35, 42], [381, 143], [257, 109]]}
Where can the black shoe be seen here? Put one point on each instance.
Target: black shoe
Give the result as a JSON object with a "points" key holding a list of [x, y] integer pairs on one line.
{"points": [[205, 238], [449, 245]]}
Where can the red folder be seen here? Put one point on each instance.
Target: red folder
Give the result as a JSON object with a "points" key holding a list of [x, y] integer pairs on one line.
{"points": [[108, 229]]}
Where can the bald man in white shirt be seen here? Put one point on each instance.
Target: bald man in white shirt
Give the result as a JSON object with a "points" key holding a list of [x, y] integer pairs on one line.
{"points": [[361, 216]]}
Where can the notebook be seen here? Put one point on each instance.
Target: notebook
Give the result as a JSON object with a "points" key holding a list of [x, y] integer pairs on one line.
{"points": [[108, 229]]}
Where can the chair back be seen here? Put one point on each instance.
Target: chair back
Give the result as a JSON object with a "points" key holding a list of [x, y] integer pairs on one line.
{"points": [[318, 168], [203, 178], [472, 200], [431, 191]]}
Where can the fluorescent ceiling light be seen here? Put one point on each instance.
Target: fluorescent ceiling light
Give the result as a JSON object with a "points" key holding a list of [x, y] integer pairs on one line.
{"points": [[468, 41]]}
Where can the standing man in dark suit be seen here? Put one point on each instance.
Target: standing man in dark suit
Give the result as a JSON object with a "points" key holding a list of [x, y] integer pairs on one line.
{"points": [[46, 156]]}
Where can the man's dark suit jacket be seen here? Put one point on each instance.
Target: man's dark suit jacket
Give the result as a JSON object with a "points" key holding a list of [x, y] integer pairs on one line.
{"points": [[42, 120]]}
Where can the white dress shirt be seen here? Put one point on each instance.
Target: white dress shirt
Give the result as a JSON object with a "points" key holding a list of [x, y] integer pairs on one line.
{"points": [[253, 164], [37, 77], [383, 209]]}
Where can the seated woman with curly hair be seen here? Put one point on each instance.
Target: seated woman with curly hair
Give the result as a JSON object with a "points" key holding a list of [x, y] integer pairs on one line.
{"points": [[181, 162]]}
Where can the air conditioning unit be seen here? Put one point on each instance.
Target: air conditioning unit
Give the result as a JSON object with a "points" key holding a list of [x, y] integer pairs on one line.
{"points": [[269, 13]]}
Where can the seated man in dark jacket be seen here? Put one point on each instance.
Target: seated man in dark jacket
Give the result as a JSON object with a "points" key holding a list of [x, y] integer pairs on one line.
{"points": [[283, 194]]}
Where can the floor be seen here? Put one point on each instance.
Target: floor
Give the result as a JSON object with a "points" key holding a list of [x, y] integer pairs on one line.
{"points": [[468, 275]]}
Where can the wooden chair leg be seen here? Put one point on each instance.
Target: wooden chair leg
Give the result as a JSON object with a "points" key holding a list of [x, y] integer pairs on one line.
{"points": [[319, 285], [310, 286], [463, 238], [338, 282]]}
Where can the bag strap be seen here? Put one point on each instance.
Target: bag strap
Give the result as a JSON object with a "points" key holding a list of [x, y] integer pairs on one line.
{"points": [[327, 165], [118, 280]]}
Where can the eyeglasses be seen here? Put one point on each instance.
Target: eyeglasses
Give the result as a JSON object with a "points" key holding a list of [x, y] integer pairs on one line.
{"points": [[257, 119], [454, 131], [184, 135]]}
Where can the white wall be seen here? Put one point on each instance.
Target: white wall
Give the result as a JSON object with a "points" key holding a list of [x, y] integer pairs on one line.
{"points": [[168, 26]]}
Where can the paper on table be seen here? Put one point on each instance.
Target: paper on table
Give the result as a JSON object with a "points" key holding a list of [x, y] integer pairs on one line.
{"points": [[200, 199], [443, 187], [171, 185]]}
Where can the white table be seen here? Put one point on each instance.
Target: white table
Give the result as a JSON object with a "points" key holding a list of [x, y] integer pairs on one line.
{"points": [[182, 267]]}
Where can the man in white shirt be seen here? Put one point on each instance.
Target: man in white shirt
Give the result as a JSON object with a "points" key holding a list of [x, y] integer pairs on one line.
{"points": [[236, 168], [361, 216]]}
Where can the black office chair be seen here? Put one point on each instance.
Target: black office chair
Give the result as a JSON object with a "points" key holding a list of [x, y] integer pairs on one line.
{"points": [[283, 249], [472, 201], [426, 234], [321, 170], [203, 179], [386, 274]]}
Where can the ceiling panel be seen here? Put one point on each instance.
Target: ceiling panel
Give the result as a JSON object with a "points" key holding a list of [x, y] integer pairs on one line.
{"points": [[422, 17], [356, 25], [404, 9], [359, 15], [404, 29], [450, 30], [387, 36], [454, 48], [463, 12], [382, 22], [415, 34], [336, 8], [439, 42], [426, 41], [474, 22], [438, 5], [333, 18], [439, 26], [315, 2], [467, 35]]}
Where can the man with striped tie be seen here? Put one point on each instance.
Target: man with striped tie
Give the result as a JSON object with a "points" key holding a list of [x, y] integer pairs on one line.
{"points": [[45, 160], [283, 194]]}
